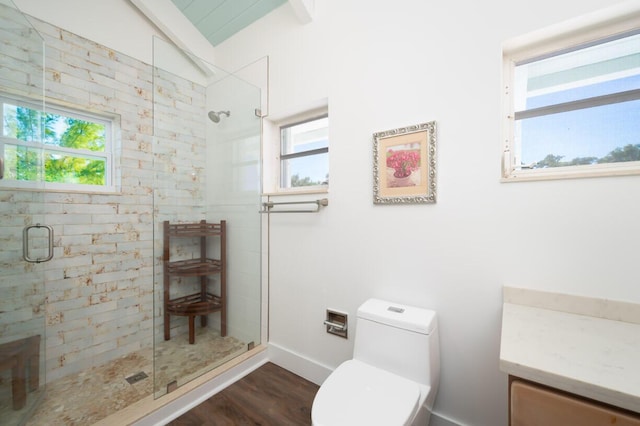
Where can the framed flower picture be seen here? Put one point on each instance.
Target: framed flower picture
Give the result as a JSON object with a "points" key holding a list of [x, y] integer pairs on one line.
{"points": [[404, 165]]}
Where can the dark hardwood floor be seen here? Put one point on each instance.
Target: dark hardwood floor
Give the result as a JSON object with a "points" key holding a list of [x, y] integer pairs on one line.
{"points": [[267, 396]]}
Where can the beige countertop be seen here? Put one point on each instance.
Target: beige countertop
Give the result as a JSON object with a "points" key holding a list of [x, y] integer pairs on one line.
{"points": [[581, 351]]}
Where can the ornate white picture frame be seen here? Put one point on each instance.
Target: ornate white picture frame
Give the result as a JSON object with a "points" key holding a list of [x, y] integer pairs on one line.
{"points": [[404, 165]]}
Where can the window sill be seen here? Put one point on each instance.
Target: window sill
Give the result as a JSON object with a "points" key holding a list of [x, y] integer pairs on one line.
{"points": [[296, 192], [577, 172], [45, 187]]}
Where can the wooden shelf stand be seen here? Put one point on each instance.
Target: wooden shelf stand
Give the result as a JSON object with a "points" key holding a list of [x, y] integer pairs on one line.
{"points": [[203, 302]]}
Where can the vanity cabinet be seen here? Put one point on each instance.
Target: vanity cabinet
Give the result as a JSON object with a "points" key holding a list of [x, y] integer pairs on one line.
{"points": [[202, 266], [532, 404], [571, 360]]}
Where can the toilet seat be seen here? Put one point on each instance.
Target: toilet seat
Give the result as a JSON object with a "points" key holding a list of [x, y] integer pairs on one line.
{"points": [[359, 394]]}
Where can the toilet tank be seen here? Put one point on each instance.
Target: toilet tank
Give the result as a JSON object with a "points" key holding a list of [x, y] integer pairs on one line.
{"points": [[400, 339]]}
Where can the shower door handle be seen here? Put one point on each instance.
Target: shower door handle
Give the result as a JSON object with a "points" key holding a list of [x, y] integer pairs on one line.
{"points": [[25, 244], [1, 168]]}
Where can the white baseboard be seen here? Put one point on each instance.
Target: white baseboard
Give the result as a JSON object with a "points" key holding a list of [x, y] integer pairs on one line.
{"points": [[303, 366], [438, 420]]}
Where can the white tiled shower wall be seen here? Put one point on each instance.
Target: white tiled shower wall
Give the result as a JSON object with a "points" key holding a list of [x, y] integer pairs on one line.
{"points": [[99, 286]]}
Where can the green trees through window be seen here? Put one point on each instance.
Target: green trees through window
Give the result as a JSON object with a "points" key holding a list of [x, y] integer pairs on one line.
{"points": [[627, 153], [72, 150]]}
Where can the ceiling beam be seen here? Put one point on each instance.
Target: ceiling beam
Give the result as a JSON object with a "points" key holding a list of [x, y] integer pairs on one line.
{"points": [[178, 29], [303, 10]]}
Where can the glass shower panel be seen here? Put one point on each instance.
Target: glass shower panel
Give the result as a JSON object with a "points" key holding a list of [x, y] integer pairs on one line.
{"points": [[233, 193], [22, 298], [207, 140]]}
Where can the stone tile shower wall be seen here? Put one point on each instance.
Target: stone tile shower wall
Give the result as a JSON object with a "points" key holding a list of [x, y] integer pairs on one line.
{"points": [[99, 287], [180, 147]]}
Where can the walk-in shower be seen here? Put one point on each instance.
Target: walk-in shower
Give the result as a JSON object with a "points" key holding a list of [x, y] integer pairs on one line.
{"points": [[215, 116], [90, 321]]}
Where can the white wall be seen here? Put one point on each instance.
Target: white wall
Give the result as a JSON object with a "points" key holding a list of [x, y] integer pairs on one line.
{"points": [[113, 23], [382, 66], [385, 65]]}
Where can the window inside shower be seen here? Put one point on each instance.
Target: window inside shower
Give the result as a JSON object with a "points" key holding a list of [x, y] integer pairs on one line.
{"points": [[68, 149]]}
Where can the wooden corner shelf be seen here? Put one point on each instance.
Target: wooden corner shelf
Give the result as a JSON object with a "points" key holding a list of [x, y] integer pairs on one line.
{"points": [[203, 302], [194, 267]]}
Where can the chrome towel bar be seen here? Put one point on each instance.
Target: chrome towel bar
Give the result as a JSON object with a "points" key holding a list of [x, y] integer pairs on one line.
{"points": [[266, 207]]}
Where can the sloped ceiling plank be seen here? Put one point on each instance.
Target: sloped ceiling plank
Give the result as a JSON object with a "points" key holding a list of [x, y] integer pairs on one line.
{"points": [[199, 9], [221, 31], [223, 15], [217, 20], [182, 4]]}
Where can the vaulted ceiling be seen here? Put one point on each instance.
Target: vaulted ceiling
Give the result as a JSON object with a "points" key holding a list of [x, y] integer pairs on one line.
{"points": [[218, 20]]}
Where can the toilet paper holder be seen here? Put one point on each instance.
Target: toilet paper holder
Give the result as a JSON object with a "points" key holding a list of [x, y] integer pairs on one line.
{"points": [[336, 323]]}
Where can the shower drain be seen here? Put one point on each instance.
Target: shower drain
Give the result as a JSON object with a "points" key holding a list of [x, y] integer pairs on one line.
{"points": [[136, 377]]}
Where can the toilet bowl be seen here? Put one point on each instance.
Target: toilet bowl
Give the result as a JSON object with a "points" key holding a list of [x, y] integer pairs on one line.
{"points": [[393, 376], [360, 394]]}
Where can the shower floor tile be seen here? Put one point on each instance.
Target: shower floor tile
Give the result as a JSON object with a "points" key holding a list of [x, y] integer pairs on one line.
{"points": [[92, 395]]}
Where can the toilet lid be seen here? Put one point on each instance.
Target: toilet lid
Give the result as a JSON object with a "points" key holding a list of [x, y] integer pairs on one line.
{"points": [[359, 394]]}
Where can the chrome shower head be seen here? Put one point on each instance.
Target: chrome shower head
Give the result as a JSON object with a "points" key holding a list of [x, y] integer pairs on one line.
{"points": [[215, 116]]}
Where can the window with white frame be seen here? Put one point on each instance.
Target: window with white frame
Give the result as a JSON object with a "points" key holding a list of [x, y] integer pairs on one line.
{"points": [[304, 154], [69, 150], [573, 108]]}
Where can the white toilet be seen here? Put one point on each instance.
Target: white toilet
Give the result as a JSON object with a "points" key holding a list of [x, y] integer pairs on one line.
{"points": [[394, 374]]}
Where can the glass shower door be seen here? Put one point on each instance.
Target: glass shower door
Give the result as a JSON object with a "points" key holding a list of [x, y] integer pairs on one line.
{"points": [[22, 298], [25, 242]]}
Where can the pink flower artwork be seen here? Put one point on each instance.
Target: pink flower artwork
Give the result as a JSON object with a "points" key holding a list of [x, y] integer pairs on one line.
{"points": [[403, 161]]}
